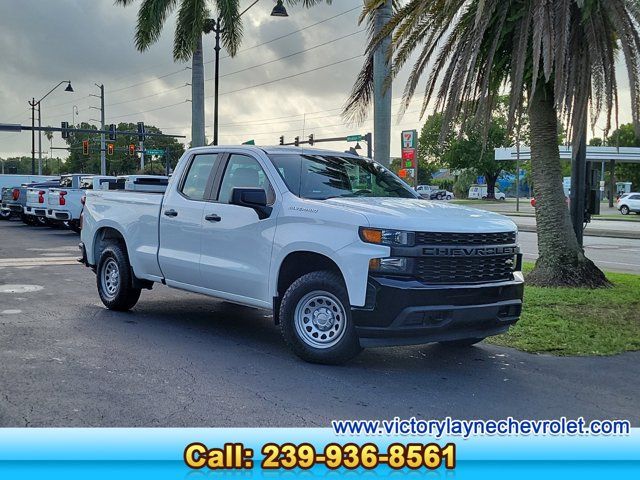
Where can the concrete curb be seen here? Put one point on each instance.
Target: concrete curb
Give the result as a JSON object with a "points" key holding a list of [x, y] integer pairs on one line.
{"points": [[591, 233]]}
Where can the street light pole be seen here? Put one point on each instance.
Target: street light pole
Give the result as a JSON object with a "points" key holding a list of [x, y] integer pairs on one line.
{"points": [[33, 104], [215, 26]]}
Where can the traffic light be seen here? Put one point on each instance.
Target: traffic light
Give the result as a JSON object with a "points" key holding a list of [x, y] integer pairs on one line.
{"points": [[132, 149], [311, 139], [110, 149], [65, 131], [112, 132], [85, 147], [141, 131], [281, 139], [296, 141]]}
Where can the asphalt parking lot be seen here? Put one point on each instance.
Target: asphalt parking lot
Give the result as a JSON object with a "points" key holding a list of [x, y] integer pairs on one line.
{"points": [[180, 359]]}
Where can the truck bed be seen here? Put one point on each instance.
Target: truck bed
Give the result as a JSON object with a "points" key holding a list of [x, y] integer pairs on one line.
{"points": [[138, 215]]}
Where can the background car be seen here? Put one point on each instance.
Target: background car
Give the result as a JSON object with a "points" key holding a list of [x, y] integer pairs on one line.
{"points": [[629, 203]]}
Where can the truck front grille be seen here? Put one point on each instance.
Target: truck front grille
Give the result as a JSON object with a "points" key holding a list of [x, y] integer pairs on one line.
{"points": [[462, 270], [442, 238]]}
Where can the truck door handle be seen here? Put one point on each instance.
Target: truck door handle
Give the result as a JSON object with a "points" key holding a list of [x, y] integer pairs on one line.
{"points": [[213, 218], [171, 213]]}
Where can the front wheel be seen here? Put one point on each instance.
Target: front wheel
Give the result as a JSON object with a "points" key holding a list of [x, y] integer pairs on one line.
{"points": [[465, 342], [315, 319], [115, 280], [449, 197], [624, 210]]}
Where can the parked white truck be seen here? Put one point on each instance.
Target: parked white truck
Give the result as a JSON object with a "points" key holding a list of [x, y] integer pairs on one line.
{"points": [[64, 203], [343, 252]]}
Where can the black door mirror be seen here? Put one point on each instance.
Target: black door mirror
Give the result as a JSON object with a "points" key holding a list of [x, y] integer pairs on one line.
{"points": [[255, 198]]}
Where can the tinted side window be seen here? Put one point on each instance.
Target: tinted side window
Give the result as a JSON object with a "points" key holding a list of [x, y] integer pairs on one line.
{"points": [[243, 171], [195, 183]]}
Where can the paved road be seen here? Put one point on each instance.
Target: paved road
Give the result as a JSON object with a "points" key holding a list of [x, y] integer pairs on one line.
{"points": [[185, 360], [610, 254]]}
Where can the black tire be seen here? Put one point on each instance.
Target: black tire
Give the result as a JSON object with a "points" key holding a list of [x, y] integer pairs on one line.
{"points": [[5, 215], [116, 291], [449, 197], [326, 287], [26, 219], [465, 342], [624, 210], [502, 199], [74, 225]]}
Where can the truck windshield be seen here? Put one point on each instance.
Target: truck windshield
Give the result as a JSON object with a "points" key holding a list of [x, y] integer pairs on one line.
{"points": [[319, 177]]}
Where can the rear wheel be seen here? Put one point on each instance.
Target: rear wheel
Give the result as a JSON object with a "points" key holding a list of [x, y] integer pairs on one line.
{"points": [[115, 280], [465, 342], [315, 319], [624, 210], [74, 225], [5, 214]]}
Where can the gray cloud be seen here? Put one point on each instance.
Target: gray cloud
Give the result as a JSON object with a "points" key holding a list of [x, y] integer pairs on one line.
{"points": [[88, 41]]}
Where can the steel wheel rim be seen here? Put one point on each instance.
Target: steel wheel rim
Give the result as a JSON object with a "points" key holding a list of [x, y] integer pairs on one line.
{"points": [[320, 319], [110, 278]]}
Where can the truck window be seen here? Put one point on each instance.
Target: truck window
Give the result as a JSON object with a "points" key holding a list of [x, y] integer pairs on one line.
{"points": [[320, 177], [65, 182], [195, 183], [243, 171]]}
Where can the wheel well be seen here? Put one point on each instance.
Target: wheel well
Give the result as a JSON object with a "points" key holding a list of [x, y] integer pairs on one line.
{"points": [[105, 236], [294, 266]]}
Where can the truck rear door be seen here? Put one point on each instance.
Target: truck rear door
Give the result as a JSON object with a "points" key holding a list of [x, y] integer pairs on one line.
{"points": [[181, 218]]}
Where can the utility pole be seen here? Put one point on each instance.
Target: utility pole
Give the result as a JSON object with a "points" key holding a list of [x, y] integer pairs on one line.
{"points": [[33, 135], [197, 96], [39, 141], [381, 91], [103, 158]]}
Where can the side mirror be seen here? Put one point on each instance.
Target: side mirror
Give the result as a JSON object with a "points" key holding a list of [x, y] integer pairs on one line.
{"points": [[255, 198]]}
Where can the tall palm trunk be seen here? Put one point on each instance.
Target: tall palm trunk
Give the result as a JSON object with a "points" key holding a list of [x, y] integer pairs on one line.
{"points": [[197, 97], [562, 261]]}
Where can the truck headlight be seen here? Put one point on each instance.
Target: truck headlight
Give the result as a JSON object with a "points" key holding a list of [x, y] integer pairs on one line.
{"points": [[393, 238], [390, 265]]}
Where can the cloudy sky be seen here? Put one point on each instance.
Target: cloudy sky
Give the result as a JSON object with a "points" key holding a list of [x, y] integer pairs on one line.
{"points": [[91, 41]]}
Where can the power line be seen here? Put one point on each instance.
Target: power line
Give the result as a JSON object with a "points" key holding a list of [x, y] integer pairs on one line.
{"points": [[151, 110], [289, 76], [289, 56], [289, 34], [149, 96]]}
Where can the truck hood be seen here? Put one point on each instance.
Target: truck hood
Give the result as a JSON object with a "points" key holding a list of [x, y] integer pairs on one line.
{"points": [[423, 215]]}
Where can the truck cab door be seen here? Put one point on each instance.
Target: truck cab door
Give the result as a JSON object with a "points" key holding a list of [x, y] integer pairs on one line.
{"points": [[236, 243], [181, 219]]}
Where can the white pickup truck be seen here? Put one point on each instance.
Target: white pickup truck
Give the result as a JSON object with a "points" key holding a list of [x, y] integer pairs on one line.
{"points": [[64, 203], [343, 253]]}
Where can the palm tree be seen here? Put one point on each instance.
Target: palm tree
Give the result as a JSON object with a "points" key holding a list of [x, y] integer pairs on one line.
{"points": [[192, 15], [555, 57]]}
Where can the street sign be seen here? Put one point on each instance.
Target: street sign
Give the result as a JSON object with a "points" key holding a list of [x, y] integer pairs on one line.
{"points": [[154, 151], [354, 138]]}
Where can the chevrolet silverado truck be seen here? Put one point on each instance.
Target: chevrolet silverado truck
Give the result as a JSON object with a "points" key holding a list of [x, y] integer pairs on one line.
{"points": [[64, 203], [343, 252]]}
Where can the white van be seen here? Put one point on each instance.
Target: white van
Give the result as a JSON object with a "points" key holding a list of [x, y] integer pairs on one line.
{"points": [[480, 192]]}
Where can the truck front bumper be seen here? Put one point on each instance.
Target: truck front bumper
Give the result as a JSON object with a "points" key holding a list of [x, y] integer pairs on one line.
{"points": [[409, 312]]}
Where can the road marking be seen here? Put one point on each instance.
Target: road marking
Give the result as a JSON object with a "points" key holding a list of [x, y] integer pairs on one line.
{"points": [[38, 262]]}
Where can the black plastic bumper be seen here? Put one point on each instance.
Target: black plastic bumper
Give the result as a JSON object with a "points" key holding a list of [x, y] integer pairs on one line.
{"points": [[408, 312]]}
